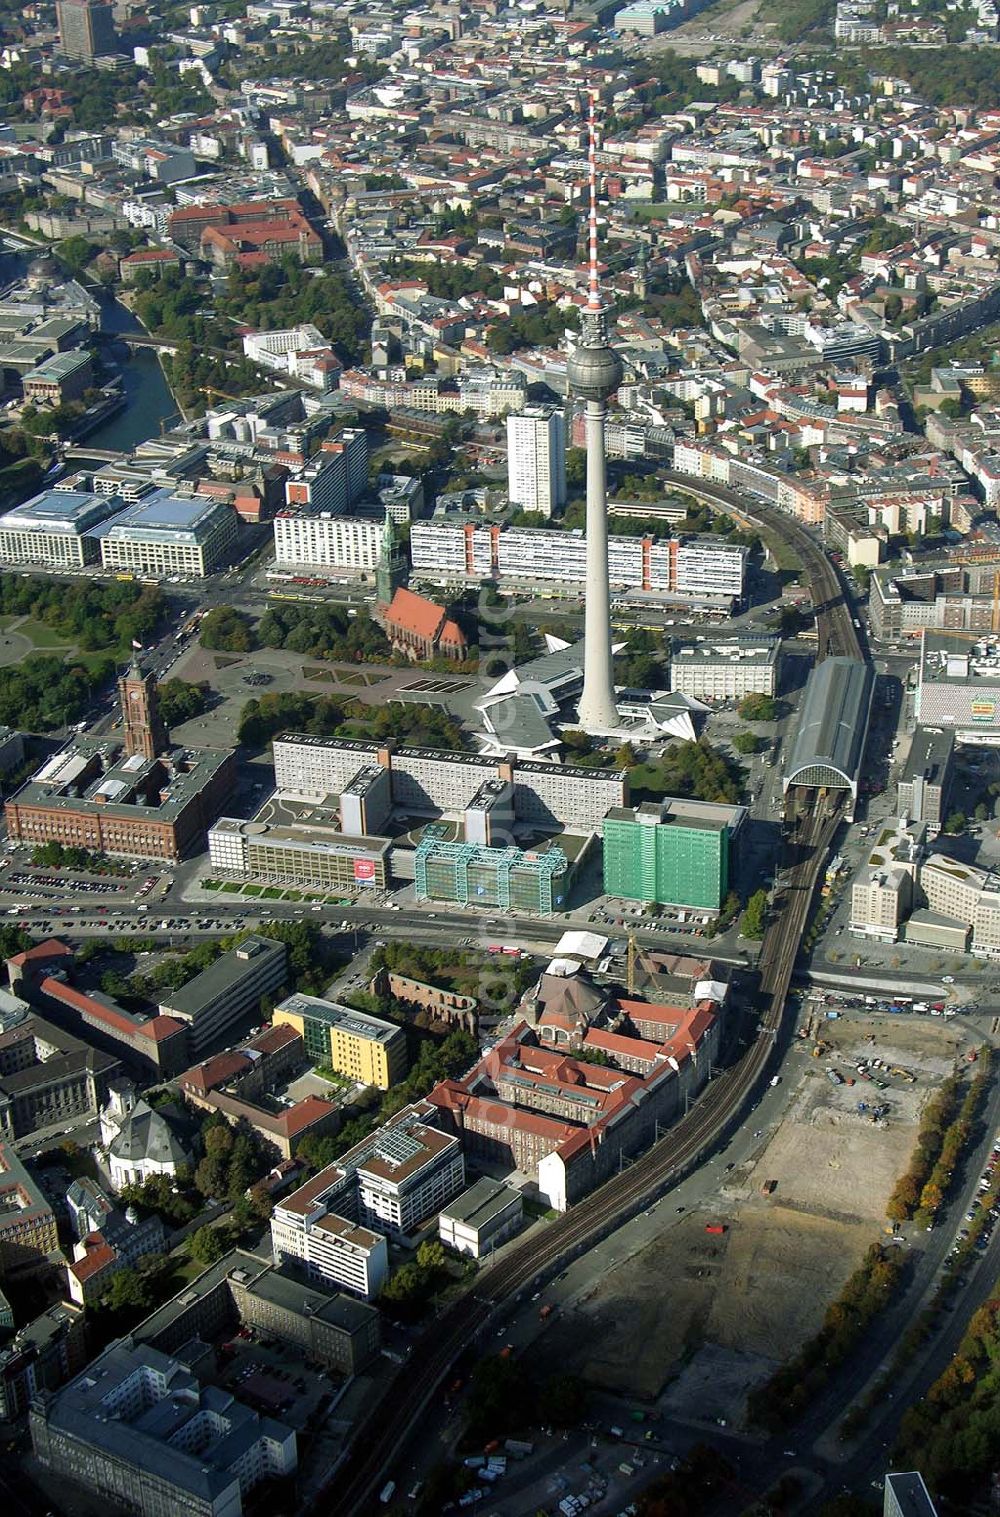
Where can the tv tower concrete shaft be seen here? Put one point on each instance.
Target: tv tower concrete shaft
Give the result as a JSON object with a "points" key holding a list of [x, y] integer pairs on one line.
{"points": [[594, 372], [597, 703]]}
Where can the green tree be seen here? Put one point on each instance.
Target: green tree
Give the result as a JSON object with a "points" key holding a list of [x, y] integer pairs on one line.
{"points": [[758, 708], [128, 1291], [227, 629], [576, 469], [746, 742], [755, 915], [563, 1399], [956, 822], [180, 701], [207, 1245]]}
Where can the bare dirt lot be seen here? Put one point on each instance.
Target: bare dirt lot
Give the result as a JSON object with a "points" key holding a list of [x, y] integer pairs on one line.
{"points": [[748, 21], [708, 1316]]}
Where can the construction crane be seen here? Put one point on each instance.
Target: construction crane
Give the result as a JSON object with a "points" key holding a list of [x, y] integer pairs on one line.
{"points": [[210, 390]]}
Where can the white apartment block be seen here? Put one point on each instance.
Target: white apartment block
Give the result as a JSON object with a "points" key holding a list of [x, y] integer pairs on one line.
{"points": [[968, 895], [451, 552], [879, 903], [430, 779], [309, 768], [705, 569], [578, 799], [412, 1171], [276, 350], [536, 459], [390, 1182], [301, 351], [326, 541], [335, 478]]}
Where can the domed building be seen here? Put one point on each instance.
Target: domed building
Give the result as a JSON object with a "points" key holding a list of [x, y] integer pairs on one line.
{"points": [[43, 271], [141, 1141]]}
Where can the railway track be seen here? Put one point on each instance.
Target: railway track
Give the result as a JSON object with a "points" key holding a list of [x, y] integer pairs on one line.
{"points": [[379, 1437], [835, 627]]}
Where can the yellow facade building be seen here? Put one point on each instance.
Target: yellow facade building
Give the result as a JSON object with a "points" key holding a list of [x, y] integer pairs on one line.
{"points": [[362, 1048]]}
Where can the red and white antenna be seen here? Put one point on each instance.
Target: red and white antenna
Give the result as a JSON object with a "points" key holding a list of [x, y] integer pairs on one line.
{"points": [[594, 295]]}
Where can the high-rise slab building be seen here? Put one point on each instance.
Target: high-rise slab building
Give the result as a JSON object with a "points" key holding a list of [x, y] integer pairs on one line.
{"points": [[594, 373], [676, 852], [86, 29], [536, 459]]}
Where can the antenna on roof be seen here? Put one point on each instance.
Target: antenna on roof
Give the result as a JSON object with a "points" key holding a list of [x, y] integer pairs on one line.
{"points": [[594, 295]]}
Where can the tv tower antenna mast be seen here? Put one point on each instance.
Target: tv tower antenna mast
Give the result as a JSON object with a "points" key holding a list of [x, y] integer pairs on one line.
{"points": [[594, 373]]}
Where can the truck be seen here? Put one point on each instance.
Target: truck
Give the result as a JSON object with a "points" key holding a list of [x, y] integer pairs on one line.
{"points": [[835, 1077], [519, 1447], [387, 1492]]}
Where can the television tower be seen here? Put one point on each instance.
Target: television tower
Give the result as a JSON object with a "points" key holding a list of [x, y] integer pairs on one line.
{"points": [[594, 372]]}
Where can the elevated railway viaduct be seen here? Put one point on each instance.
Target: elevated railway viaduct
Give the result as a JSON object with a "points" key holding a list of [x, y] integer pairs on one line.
{"points": [[813, 821]]}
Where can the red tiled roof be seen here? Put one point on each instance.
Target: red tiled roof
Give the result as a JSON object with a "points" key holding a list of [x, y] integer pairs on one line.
{"points": [[215, 1071], [648, 1011], [617, 1043], [452, 634], [414, 614], [98, 1256], [151, 255], [303, 1114], [273, 1039], [156, 1028], [49, 948]]}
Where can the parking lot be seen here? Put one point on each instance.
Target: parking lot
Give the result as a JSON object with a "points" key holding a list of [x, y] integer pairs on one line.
{"points": [[273, 1378]]}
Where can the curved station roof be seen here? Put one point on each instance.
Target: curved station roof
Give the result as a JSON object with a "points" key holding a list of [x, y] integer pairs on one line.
{"points": [[833, 724]]}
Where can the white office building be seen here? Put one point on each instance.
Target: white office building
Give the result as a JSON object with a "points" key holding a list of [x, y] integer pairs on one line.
{"points": [[330, 1248], [482, 1218], [166, 534], [726, 669], [536, 459], [56, 528], [708, 568]]}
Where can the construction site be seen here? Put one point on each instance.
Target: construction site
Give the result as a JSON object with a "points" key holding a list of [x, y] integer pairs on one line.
{"points": [[710, 1296]]}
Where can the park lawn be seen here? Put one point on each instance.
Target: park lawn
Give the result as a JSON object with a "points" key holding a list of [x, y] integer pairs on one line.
{"points": [[41, 636]]}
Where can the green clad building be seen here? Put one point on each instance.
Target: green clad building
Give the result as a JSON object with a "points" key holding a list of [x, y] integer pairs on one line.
{"points": [[675, 852]]}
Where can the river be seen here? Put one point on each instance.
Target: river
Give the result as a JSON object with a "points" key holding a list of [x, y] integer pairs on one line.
{"points": [[149, 400]]}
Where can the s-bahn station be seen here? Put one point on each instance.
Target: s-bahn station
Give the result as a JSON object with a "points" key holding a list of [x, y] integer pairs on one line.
{"points": [[833, 726]]}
